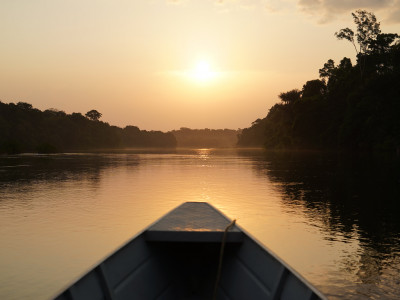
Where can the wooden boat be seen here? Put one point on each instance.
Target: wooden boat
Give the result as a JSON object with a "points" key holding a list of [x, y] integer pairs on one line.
{"points": [[193, 252]]}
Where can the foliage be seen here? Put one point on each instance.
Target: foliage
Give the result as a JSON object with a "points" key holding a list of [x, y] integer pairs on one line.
{"points": [[290, 96], [371, 41], [313, 88], [26, 129], [254, 135], [206, 138], [367, 30], [93, 115], [343, 110]]}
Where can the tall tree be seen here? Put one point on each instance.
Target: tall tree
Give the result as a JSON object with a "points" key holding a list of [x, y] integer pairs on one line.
{"points": [[93, 115], [368, 29]]}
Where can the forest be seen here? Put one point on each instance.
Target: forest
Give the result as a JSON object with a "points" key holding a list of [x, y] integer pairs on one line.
{"points": [[24, 129], [206, 138], [350, 107]]}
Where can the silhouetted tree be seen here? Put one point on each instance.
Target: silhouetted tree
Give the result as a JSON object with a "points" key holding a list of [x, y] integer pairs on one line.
{"points": [[383, 42], [55, 112], [93, 115], [290, 96], [206, 138], [370, 40], [345, 64], [26, 129], [352, 112], [24, 105], [328, 70], [367, 31], [313, 88], [334, 75]]}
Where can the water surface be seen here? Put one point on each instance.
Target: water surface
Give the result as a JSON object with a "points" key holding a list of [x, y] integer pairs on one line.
{"points": [[332, 218]]}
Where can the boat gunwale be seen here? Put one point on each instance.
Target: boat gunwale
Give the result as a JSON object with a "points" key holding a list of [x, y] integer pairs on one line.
{"points": [[284, 263]]}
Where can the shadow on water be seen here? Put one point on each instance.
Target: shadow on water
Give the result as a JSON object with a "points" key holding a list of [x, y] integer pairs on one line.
{"points": [[353, 197], [28, 169]]}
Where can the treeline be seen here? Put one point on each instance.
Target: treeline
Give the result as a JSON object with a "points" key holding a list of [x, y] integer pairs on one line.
{"points": [[353, 107], [206, 138], [24, 128]]}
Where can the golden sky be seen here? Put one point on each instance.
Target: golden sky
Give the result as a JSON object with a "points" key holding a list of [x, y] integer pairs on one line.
{"points": [[162, 65]]}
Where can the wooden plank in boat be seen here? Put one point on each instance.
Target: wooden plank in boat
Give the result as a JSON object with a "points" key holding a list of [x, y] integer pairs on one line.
{"points": [[193, 222]]}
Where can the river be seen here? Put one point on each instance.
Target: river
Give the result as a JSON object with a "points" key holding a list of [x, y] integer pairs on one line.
{"points": [[333, 218]]}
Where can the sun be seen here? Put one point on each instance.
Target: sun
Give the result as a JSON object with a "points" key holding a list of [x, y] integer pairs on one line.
{"points": [[202, 72]]}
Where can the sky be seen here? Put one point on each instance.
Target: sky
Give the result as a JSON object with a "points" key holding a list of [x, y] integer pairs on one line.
{"points": [[164, 64]]}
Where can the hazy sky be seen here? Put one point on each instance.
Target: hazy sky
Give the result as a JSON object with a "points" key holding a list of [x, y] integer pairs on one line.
{"points": [[162, 65]]}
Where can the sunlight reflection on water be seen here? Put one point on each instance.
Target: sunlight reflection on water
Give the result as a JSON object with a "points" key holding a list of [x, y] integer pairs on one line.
{"points": [[66, 212]]}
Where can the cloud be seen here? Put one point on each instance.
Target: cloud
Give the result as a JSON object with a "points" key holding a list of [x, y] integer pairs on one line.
{"points": [[275, 6], [328, 10], [323, 11], [272, 6], [394, 15], [175, 2]]}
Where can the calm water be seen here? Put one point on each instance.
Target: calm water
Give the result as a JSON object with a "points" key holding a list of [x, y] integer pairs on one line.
{"points": [[336, 220]]}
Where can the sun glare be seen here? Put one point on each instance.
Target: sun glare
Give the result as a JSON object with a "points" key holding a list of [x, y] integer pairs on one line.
{"points": [[203, 72]]}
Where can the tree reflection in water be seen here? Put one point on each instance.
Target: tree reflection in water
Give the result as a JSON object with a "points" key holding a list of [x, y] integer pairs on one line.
{"points": [[353, 197], [26, 169]]}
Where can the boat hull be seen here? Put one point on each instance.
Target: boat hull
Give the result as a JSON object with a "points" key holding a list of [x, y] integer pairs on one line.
{"points": [[177, 258]]}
